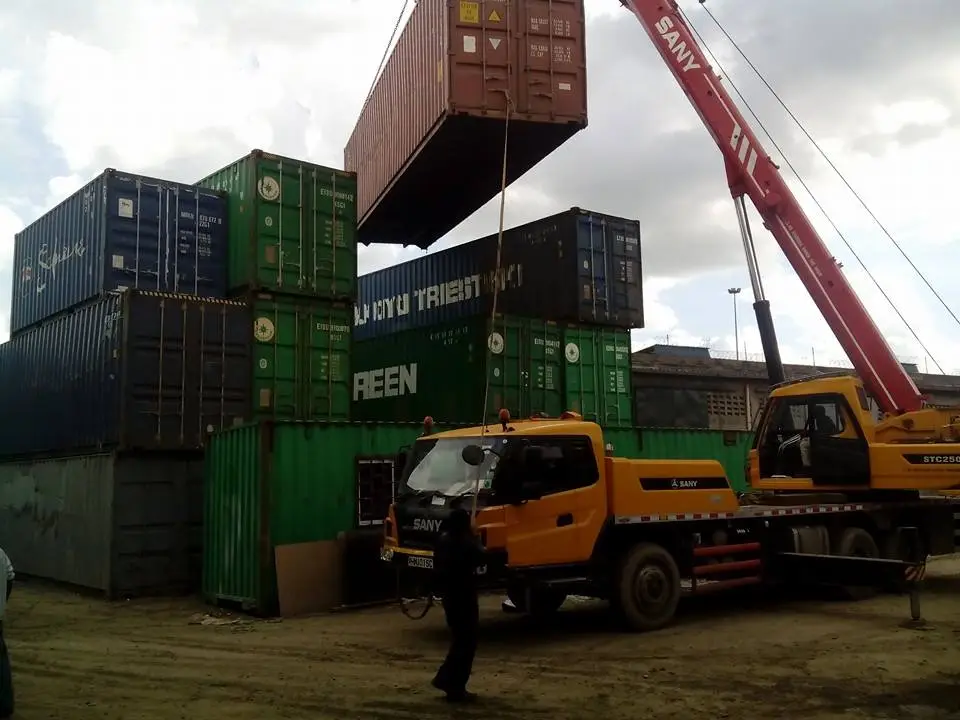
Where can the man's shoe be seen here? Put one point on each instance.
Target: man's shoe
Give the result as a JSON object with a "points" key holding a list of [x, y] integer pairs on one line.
{"points": [[461, 696]]}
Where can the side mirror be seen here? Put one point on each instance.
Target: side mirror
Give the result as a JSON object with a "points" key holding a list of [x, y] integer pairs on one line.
{"points": [[472, 455]]}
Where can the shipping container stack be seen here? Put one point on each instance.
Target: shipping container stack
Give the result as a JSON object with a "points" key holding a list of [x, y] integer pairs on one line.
{"points": [[569, 292], [292, 258], [124, 354]]}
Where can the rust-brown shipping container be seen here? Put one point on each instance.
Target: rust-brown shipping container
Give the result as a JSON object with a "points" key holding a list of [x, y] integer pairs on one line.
{"points": [[428, 146]]}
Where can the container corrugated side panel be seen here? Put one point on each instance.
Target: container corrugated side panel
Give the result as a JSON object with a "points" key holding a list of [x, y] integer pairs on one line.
{"points": [[729, 447], [609, 281], [410, 97], [66, 382], [532, 51], [435, 289], [437, 371], [292, 226], [186, 369], [302, 358], [119, 231], [55, 518], [232, 555], [59, 259]]}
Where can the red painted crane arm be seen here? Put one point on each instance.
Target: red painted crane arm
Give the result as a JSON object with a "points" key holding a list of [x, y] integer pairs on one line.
{"points": [[751, 171]]}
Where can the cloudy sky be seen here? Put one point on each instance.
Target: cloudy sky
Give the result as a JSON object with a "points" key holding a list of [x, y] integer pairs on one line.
{"points": [[178, 87]]}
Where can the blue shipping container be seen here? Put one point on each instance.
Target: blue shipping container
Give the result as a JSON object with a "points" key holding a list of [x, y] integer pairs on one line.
{"points": [[577, 266], [129, 370], [120, 231]]}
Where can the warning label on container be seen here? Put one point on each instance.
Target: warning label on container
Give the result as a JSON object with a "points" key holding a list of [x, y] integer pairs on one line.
{"points": [[495, 43], [125, 207], [470, 12], [494, 16], [470, 44]]}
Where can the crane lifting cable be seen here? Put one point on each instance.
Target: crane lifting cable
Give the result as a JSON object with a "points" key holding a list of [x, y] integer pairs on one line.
{"points": [[386, 52], [833, 167], [496, 291], [799, 177]]}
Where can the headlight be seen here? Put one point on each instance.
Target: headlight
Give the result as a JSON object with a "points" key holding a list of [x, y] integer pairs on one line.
{"points": [[386, 554]]}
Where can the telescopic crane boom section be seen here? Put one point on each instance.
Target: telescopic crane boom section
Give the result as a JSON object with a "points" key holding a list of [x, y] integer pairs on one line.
{"points": [[751, 171]]}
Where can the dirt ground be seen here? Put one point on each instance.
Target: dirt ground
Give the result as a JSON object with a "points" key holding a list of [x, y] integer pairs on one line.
{"points": [[737, 657]]}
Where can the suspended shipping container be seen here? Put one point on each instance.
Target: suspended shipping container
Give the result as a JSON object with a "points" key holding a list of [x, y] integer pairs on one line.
{"points": [[130, 370], [292, 227], [127, 525], [301, 353], [119, 231], [270, 484], [533, 366], [576, 266], [429, 143]]}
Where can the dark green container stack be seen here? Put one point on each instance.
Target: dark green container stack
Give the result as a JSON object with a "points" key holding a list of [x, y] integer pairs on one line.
{"points": [[293, 256], [532, 366], [275, 483]]}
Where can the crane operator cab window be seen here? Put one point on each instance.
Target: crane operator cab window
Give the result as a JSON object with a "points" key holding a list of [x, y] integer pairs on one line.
{"points": [[813, 437]]}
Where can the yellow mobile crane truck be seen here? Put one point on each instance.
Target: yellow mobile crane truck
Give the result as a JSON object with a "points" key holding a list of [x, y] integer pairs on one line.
{"points": [[837, 504]]}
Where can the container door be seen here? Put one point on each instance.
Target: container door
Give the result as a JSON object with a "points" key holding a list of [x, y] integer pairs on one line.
{"points": [[276, 335], [616, 406], [325, 358], [508, 372], [283, 221], [610, 277], [331, 232], [545, 394], [580, 372]]}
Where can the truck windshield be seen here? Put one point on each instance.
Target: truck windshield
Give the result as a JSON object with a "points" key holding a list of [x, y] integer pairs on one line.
{"points": [[437, 467]]}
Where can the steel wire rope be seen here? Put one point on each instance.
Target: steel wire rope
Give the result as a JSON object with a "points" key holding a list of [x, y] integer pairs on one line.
{"points": [[386, 52], [496, 293], [799, 177], [829, 162]]}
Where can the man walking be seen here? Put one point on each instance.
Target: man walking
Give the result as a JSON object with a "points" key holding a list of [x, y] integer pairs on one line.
{"points": [[6, 676], [457, 557]]}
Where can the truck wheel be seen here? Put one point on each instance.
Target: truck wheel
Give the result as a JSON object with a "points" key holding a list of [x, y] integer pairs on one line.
{"points": [[648, 587], [857, 542], [543, 601]]}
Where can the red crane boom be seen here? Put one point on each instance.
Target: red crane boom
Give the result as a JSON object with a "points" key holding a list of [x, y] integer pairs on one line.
{"points": [[751, 172]]}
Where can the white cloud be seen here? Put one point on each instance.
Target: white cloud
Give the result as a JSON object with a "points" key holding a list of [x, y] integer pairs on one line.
{"points": [[181, 87]]}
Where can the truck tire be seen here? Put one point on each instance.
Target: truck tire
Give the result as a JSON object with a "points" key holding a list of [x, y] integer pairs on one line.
{"points": [[648, 587], [857, 542]]}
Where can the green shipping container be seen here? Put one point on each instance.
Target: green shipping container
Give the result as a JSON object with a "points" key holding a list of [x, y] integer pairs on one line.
{"points": [[292, 226], [270, 484], [301, 358], [597, 374], [730, 447], [533, 366]]}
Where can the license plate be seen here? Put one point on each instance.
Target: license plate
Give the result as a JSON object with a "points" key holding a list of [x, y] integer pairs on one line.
{"points": [[418, 561]]}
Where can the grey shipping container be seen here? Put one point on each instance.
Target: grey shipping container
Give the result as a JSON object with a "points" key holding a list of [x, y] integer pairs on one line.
{"points": [[120, 231], [126, 525], [576, 266], [428, 145], [130, 370]]}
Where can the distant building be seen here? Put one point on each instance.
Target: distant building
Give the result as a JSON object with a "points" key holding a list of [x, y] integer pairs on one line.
{"points": [[679, 386]]}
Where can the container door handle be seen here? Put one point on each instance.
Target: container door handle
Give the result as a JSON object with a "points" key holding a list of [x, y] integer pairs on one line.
{"points": [[565, 519]]}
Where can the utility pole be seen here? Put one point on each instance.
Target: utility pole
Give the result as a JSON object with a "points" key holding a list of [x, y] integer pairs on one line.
{"points": [[734, 291]]}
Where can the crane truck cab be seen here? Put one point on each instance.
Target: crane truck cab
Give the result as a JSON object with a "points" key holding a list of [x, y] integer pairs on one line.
{"points": [[820, 434]]}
